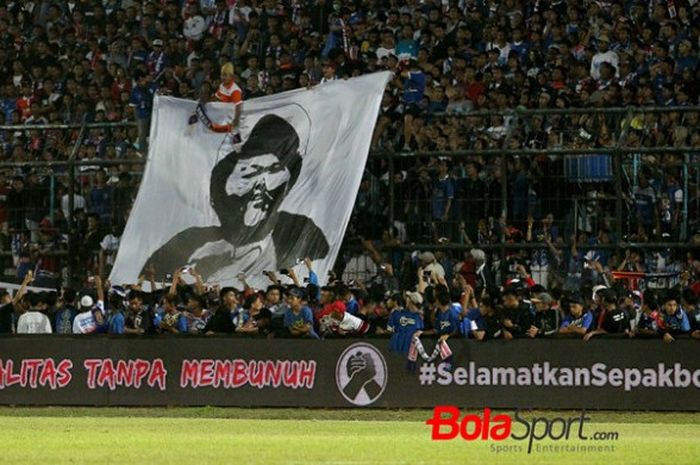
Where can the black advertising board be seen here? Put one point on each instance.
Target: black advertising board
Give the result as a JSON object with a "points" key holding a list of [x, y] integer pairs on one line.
{"points": [[232, 371]]}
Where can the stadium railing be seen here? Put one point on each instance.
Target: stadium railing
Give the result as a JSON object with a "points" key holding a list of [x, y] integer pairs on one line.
{"points": [[593, 159]]}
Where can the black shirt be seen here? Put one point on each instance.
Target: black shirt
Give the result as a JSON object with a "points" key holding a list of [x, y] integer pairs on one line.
{"points": [[547, 321], [221, 322], [522, 318], [6, 312], [616, 321]]}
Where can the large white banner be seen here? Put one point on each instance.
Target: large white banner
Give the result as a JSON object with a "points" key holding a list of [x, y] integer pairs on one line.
{"points": [[284, 193]]}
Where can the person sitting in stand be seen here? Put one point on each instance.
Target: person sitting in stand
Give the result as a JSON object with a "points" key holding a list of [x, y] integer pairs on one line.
{"points": [[173, 320], [448, 315], [674, 320], [333, 318], [138, 318], [482, 323], [222, 322], [197, 316], [546, 317], [403, 322], [613, 318], [518, 316], [299, 320], [649, 320], [35, 320], [259, 319], [92, 317], [577, 321]]}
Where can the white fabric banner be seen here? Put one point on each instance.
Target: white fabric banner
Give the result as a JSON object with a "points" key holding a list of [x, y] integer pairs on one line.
{"points": [[285, 193]]}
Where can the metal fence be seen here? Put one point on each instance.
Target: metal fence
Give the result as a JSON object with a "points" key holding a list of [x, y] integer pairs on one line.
{"points": [[525, 180]]}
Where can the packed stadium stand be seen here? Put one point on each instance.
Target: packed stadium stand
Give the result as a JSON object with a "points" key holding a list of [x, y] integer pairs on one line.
{"points": [[533, 169]]}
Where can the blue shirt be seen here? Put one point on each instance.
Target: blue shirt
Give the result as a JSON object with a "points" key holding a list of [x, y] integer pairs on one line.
{"points": [[414, 88], [474, 318], [404, 324], [447, 322], [443, 190], [407, 47], [101, 200], [648, 322], [352, 307], [142, 100], [677, 323], [584, 321], [64, 320], [115, 323], [294, 320]]}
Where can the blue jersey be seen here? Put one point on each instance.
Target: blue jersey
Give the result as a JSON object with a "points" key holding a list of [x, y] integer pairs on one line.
{"points": [[584, 321], [474, 320], [403, 323], [295, 320], [447, 322], [443, 190], [352, 307], [115, 323], [649, 321], [676, 323], [64, 320], [414, 87], [142, 100]]}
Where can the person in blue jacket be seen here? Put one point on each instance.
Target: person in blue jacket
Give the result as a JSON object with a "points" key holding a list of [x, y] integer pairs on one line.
{"points": [[448, 314], [675, 320], [403, 322]]}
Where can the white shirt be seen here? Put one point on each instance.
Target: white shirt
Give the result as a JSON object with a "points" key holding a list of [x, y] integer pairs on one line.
{"points": [[84, 323], [78, 202], [110, 244], [607, 57], [350, 323], [33, 323], [360, 267]]}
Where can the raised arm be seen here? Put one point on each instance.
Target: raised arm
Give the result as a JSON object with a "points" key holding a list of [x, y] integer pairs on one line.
{"points": [[99, 288], [173, 285], [198, 283], [28, 278]]}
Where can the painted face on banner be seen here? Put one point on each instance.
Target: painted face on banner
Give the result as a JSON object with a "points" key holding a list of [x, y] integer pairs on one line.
{"points": [[258, 182]]}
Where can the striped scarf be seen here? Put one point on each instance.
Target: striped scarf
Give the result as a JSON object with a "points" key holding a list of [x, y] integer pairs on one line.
{"points": [[416, 348]]}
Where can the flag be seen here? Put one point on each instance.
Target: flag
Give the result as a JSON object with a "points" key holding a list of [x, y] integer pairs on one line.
{"points": [[282, 192]]}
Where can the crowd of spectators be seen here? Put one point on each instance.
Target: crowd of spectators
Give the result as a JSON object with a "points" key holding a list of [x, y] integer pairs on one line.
{"points": [[470, 305], [68, 62]]}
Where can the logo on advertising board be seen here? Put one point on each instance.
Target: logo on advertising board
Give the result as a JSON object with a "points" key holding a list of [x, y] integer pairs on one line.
{"points": [[361, 374]]}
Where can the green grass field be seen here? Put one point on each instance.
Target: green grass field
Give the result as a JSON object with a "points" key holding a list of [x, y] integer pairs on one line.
{"points": [[175, 436]]}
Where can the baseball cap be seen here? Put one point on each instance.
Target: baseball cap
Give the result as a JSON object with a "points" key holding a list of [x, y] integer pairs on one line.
{"points": [[415, 297], [297, 292], [117, 290], [543, 297], [597, 289], [427, 257], [157, 43], [86, 301], [575, 299]]}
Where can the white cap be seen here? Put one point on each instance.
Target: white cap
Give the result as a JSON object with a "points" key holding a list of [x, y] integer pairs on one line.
{"points": [[596, 289], [415, 297], [86, 301]]}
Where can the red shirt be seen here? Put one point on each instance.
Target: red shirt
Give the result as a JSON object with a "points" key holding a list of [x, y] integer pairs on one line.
{"points": [[230, 93]]}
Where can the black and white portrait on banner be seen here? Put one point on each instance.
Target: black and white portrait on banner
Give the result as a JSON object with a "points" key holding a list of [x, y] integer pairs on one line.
{"points": [[248, 184], [283, 190]]}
